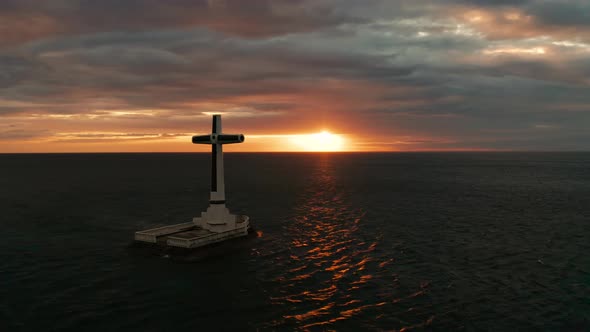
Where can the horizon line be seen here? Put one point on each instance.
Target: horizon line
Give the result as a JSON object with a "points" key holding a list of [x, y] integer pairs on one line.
{"points": [[303, 152]]}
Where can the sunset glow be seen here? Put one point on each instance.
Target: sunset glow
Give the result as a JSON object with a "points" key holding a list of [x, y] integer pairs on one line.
{"points": [[320, 142]]}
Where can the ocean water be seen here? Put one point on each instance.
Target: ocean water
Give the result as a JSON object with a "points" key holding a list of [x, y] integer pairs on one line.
{"points": [[412, 241]]}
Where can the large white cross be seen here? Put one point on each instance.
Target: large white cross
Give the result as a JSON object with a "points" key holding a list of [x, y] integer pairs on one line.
{"points": [[217, 139]]}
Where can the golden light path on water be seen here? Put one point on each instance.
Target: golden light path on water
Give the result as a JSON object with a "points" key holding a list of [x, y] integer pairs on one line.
{"points": [[336, 273]]}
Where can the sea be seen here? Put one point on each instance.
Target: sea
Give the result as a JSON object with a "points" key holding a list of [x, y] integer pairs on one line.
{"points": [[488, 241]]}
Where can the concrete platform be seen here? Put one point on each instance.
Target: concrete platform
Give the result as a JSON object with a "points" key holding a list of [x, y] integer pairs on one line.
{"points": [[160, 233], [191, 235], [220, 249]]}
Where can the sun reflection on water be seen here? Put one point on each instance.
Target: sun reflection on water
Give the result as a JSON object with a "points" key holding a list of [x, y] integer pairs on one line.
{"points": [[333, 273]]}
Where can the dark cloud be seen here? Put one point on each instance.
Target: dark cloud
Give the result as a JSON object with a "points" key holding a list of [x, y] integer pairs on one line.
{"points": [[562, 13], [252, 19], [15, 69]]}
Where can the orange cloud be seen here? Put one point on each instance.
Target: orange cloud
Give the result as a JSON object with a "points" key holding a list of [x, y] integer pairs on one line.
{"points": [[515, 23]]}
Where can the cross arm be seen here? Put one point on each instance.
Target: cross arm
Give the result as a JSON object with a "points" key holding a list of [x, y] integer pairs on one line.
{"points": [[218, 139]]}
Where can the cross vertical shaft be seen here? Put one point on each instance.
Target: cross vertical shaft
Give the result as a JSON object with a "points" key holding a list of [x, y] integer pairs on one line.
{"points": [[217, 195], [217, 138]]}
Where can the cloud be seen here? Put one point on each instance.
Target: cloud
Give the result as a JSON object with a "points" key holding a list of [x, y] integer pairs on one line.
{"points": [[86, 138], [251, 19], [562, 13], [527, 19], [20, 134]]}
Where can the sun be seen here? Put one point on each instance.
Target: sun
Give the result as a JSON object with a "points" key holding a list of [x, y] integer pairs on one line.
{"points": [[320, 142]]}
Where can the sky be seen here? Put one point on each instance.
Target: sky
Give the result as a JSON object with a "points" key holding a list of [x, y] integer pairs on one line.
{"points": [[380, 75]]}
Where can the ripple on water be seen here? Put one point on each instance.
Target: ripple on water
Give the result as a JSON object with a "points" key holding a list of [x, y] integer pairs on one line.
{"points": [[333, 274]]}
